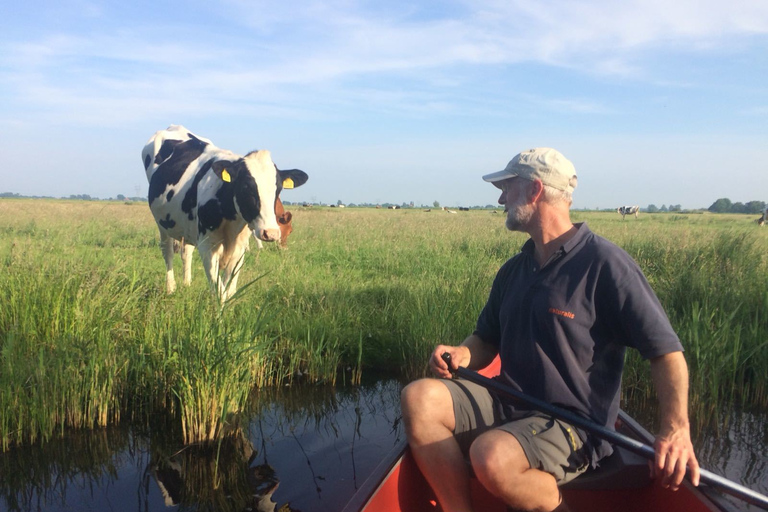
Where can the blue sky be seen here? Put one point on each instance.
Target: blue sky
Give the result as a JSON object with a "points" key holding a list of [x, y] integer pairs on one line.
{"points": [[662, 102]]}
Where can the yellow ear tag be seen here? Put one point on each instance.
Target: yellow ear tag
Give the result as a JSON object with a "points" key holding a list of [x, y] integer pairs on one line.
{"points": [[225, 176], [287, 183]]}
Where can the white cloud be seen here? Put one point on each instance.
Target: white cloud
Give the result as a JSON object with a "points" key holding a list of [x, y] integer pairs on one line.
{"points": [[272, 45]]}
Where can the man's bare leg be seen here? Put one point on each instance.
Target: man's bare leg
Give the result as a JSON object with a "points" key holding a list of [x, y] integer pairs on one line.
{"points": [[429, 424], [500, 464]]}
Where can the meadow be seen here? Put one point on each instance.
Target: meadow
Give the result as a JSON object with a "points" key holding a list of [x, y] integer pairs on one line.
{"points": [[89, 338]]}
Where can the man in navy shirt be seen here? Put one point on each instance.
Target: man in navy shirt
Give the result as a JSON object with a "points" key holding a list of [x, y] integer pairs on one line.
{"points": [[560, 316]]}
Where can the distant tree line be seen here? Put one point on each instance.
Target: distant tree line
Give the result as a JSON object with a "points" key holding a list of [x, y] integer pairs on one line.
{"points": [[77, 197], [652, 208], [724, 205]]}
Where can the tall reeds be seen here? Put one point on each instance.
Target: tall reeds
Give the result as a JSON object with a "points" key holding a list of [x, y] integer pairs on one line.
{"points": [[88, 336]]}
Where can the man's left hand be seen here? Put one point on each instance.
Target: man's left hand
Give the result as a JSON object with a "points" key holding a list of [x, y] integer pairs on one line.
{"points": [[674, 453]]}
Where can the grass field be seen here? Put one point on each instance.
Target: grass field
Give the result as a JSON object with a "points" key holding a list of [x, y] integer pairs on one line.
{"points": [[89, 337]]}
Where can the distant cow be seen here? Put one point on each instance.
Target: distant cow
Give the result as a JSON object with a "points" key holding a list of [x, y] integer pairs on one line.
{"points": [[284, 218], [212, 199], [628, 210], [763, 218]]}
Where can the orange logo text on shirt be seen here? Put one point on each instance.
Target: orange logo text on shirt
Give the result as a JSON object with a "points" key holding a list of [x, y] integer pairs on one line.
{"points": [[566, 314]]}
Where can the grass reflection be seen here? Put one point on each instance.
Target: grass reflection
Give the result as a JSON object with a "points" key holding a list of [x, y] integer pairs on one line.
{"points": [[256, 468]]}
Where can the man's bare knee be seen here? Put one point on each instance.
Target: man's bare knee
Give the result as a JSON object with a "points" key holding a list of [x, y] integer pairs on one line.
{"points": [[501, 465], [497, 456], [427, 400]]}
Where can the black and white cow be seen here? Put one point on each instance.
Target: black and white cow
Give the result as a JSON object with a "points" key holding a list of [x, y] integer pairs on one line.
{"points": [[628, 210], [213, 199], [763, 218]]}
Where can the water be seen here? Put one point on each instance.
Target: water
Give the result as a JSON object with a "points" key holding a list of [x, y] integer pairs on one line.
{"points": [[732, 443], [308, 449]]}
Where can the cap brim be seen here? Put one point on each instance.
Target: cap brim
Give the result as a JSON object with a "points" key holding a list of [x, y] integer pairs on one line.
{"points": [[498, 176]]}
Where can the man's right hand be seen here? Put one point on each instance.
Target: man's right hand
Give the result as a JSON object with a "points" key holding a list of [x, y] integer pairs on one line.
{"points": [[460, 356]]}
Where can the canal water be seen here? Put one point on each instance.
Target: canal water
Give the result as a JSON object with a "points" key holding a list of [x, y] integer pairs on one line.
{"points": [[307, 449]]}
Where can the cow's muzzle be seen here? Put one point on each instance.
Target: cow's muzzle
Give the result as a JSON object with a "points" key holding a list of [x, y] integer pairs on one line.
{"points": [[268, 235]]}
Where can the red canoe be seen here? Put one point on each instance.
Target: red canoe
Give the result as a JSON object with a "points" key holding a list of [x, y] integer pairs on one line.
{"points": [[622, 483]]}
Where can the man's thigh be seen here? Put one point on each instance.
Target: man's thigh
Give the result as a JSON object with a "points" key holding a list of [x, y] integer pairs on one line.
{"points": [[549, 444], [473, 410]]}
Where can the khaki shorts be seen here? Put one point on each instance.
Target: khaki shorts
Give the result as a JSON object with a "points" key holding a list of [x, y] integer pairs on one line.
{"points": [[549, 444]]}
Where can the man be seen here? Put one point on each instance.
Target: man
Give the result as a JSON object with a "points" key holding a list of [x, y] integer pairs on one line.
{"points": [[560, 315]]}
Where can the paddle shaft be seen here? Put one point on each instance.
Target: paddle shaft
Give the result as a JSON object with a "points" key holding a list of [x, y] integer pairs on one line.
{"points": [[633, 445]]}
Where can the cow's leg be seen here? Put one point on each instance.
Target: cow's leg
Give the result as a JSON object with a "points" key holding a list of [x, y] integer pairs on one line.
{"points": [[232, 270], [211, 265], [187, 252], [166, 245]]}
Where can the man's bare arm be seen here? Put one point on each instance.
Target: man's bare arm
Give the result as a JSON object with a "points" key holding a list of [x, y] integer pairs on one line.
{"points": [[674, 450]]}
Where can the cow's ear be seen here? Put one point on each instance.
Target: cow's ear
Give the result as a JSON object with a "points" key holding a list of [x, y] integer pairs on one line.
{"points": [[225, 170], [293, 178], [285, 218]]}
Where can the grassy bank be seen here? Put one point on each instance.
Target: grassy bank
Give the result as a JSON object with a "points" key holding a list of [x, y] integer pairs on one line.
{"points": [[89, 337]]}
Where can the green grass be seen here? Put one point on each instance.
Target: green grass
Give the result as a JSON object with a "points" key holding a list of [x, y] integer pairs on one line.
{"points": [[88, 336]]}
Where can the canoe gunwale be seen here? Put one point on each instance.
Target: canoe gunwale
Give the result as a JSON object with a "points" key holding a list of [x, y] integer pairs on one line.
{"points": [[380, 474]]}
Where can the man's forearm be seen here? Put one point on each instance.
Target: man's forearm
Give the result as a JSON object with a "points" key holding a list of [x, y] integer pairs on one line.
{"points": [[481, 352], [670, 379], [673, 446]]}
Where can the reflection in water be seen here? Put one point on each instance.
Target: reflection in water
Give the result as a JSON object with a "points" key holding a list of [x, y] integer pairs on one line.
{"points": [[216, 477], [304, 448], [45, 477]]}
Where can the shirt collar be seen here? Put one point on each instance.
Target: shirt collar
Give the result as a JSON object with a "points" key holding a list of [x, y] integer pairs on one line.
{"points": [[582, 231]]}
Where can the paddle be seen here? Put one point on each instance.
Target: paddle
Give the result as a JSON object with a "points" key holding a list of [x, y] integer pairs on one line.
{"points": [[633, 445]]}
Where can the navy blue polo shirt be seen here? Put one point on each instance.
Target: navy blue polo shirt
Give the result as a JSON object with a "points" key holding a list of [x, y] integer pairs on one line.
{"points": [[562, 329]]}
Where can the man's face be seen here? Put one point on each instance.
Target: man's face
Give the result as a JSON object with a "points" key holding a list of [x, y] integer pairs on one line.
{"points": [[513, 197]]}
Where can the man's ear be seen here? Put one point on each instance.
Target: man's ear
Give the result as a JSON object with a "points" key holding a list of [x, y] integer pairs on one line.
{"points": [[535, 191], [225, 170]]}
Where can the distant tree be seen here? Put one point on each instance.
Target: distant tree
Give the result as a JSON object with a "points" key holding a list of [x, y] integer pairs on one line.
{"points": [[722, 205], [652, 208], [339, 203], [738, 208], [755, 207], [120, 197], [675, 208], [436, 204], [664, 208]]}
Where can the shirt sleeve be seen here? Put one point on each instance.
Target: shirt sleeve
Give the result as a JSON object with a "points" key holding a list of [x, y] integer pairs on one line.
{"points": [[640, 319], [488, 327]]}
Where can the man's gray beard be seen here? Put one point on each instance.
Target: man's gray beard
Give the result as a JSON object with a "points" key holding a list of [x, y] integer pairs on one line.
{"points": [[518, 217]]}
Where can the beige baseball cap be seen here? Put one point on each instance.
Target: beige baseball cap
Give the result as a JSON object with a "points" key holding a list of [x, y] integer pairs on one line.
{"points": [[545, 164]]}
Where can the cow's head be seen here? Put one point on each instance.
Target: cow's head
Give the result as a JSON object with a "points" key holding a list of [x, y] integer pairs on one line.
{"points": [[284, 218], [257, 183]]}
